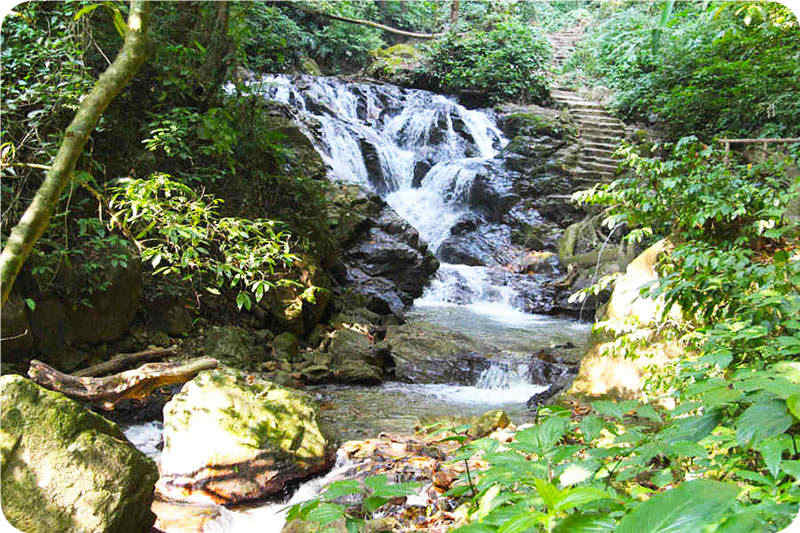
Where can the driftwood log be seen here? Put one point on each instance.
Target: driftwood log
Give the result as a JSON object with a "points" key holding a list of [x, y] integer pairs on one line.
{"points": [[132, 384], [124, 360]]}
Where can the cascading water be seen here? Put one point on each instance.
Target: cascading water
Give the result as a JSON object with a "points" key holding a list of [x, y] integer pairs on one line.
{"points": [[420, 151], [423, 153]]}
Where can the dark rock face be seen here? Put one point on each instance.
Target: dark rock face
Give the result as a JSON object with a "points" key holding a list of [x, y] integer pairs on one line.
{"points": [[382, 257], [71, 317]]}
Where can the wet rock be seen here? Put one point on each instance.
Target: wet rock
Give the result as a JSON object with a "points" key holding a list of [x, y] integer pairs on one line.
{"points": [[234, 346], [65, 468], [605, 371], [426, 353], [382, 257], [354, 359], [256, 437], [539, 263], [112, 308]]}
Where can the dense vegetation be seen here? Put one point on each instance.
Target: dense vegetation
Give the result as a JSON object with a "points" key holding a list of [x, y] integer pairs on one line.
{"points": [[187, 132], [705, 69]]}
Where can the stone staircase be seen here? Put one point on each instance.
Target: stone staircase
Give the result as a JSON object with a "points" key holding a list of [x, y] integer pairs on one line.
{"points": [[599, 131]]}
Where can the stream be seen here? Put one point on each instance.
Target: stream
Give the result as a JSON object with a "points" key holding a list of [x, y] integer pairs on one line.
{"points": [[421, 152]]}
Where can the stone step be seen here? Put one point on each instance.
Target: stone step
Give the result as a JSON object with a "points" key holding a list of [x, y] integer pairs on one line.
{"points": [[601, 145], [600, 160], [604, 120], [589, 136], [604, 153], [595, 110], [590, 165], [593, 176]]}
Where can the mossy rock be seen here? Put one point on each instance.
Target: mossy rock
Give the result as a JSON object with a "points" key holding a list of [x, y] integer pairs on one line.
{"points": [[396, 64], [285, 347], [65, 468], [234, 346], [231, 437]]}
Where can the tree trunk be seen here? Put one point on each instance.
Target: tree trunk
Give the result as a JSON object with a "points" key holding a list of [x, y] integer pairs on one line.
{"points": [[132, 384], [218, 45], [454, 5], [37, 215]]}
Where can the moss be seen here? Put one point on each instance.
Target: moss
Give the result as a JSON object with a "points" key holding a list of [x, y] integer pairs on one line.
{"points": [[65, 468]]}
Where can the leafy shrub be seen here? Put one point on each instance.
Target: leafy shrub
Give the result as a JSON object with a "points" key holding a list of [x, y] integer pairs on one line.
{"points": [[722, 69], [181, 234], [505, 62]]}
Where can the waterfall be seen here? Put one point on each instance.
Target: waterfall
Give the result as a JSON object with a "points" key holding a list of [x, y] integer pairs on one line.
{"points": [[419, 150]]}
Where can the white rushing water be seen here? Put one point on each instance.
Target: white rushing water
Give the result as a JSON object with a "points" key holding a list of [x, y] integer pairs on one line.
{"points": [[426, 151]]}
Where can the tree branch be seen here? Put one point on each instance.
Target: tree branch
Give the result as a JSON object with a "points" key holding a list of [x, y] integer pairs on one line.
{"points": [[370, 23], [37, 215], [134, 384]]}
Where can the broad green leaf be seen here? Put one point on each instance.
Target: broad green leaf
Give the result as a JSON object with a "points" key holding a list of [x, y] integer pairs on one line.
{"points": [[792, 468], [541, 438], [647, 411], [686, 508], [793, 404], [549, 493], [762, 421], [373, 503], [325, 513], [474, 528], [580, 496], [613, 409], [590, 427], [522, 524], [586, 523], [337, 489], [745, 522], [772, 450], [692, 428]]}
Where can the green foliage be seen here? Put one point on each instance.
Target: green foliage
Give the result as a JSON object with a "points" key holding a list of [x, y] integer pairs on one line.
{"points": [[504, 62], [377, 492], [181, 234], [704, 69]]}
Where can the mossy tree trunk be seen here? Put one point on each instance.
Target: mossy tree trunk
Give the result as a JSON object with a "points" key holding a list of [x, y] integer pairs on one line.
{"points": [[36, 217]]}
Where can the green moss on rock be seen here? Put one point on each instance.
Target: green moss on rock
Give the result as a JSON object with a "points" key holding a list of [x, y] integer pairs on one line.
{"points": [[65, 468]]}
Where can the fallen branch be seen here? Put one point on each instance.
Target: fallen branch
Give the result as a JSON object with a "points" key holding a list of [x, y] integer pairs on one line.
{"points": [[132, 384], [124, 360], [370, 23]]}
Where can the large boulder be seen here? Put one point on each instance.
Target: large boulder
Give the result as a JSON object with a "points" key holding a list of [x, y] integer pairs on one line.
{"points": [[230, 437], [65, 468], [606, 372], [427, 353]]}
